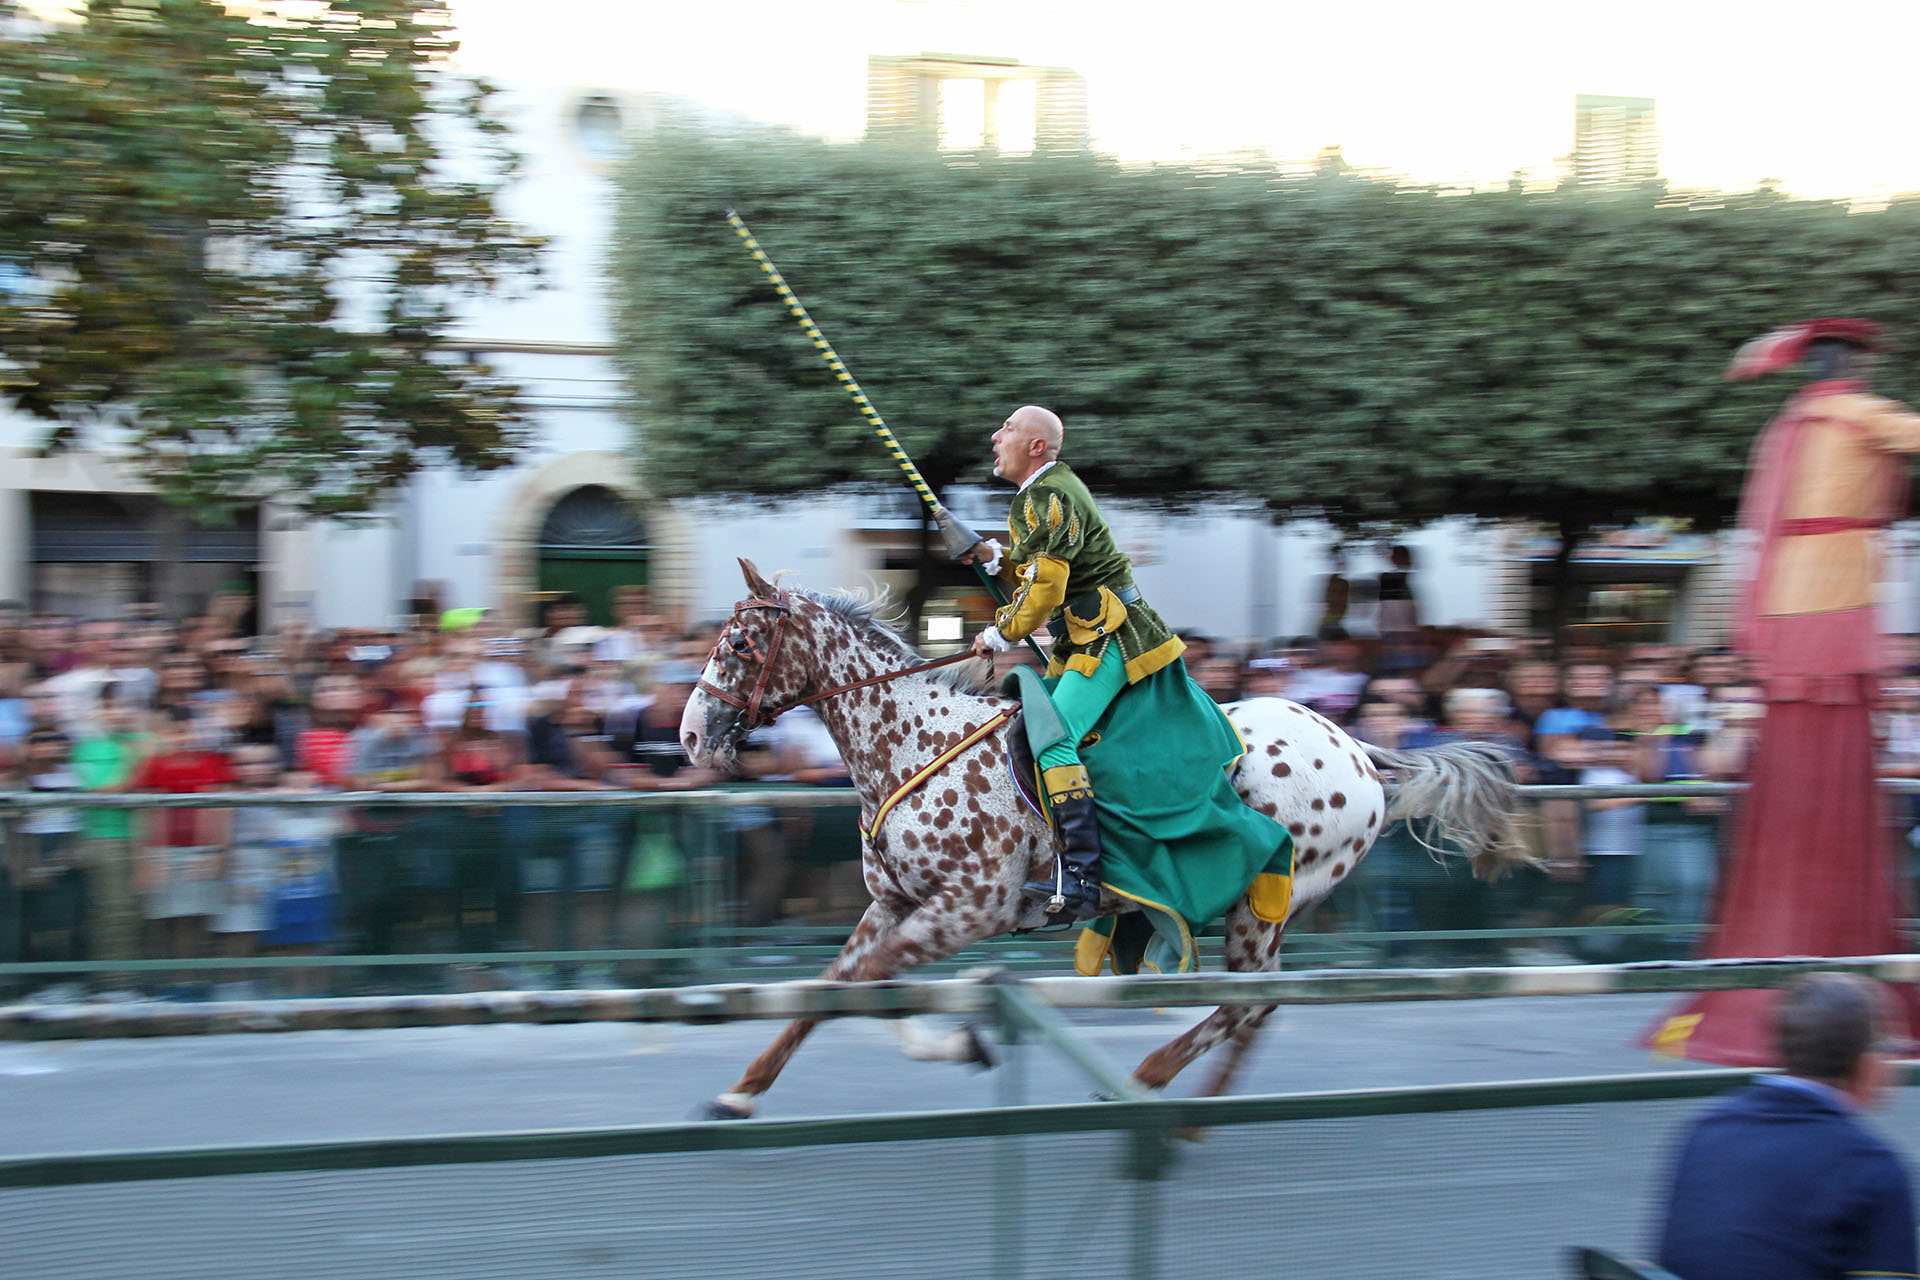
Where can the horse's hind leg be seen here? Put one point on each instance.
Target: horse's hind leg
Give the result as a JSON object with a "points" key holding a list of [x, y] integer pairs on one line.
{"points": [[1253, 945], [739, 1102]]}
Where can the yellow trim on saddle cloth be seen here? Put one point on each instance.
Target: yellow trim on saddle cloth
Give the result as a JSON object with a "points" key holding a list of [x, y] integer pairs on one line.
{"points": [[1271, 896], [1088, 959], [1154, 659], [940, 762]]}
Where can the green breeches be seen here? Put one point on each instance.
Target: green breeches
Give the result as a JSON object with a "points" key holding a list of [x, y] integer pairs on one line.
{"points": [[1081, 701]]}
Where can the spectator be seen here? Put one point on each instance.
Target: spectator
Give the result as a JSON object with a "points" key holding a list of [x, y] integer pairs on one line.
{"points": [[475, 759], [106, 760], [382, 864], [649, 757], [78, 687], [324, 749], [824, 846], [1332, 686], [1681, 834], [575, 852], [178, 868], [1784, 1179], [46, 869], [15, 717], [1587, 692], [1614, 831], [247, 908], [1399, 612]]}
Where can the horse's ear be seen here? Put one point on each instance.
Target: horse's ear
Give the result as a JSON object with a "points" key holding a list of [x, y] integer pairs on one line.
{"points": [[756, 585]]}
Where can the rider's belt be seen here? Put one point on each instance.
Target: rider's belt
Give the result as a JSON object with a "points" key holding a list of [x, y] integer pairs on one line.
{"points": [[1097, 614]]}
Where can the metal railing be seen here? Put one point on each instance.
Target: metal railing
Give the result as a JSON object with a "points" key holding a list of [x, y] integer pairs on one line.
{"points": [[997, 1193], [1360, 925]]}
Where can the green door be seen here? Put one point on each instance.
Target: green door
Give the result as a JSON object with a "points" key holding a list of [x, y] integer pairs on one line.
{"points": [[593, 541]]}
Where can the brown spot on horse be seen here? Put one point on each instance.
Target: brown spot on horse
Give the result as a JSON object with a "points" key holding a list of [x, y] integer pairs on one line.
{"points": [[1338, 799], [1281, 769]]}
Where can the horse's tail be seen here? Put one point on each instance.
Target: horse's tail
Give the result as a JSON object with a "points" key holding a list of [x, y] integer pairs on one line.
{"points": [[1468, 793]]}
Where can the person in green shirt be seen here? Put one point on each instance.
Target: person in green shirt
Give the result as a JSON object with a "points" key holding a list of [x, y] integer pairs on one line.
{"points": [[104, 759], [1067, 573]]}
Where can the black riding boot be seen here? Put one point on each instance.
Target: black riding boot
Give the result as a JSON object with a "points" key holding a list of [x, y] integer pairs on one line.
{"points": [[1075, 893]]}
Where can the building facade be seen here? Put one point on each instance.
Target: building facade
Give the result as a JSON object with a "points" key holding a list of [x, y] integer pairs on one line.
{"points": [[576, 515]]}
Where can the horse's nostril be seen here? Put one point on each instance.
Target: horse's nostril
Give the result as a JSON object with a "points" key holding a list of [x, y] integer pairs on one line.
{"points": [[689, 740]]}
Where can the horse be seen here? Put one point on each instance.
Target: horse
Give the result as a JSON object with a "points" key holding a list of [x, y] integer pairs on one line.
{"points": [[945, 862]]}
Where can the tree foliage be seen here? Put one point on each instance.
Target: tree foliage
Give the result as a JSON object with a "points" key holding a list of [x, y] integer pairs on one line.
{"points": [[233, 242], [1327, 344]]}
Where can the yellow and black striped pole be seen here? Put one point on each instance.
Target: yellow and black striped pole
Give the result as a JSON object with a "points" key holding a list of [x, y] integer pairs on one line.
{"points": [[957, 537], [954, 535]]}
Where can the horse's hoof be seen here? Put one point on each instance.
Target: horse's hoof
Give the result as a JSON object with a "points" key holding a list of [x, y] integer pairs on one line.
{"points": [[718, 1110], [980, 1054]]}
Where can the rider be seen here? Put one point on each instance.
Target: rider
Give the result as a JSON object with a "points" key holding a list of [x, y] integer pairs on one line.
{"points": [[1067, 573]]}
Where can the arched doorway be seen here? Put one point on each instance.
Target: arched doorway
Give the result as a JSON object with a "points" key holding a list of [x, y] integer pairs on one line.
{"points": [[591, 542]]}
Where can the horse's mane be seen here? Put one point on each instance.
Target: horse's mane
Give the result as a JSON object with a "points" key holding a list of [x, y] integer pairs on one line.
{"points": [[861, 610]]}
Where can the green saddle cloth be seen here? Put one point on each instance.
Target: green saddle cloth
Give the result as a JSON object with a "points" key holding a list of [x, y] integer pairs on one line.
{"points": [[1175, 836]]}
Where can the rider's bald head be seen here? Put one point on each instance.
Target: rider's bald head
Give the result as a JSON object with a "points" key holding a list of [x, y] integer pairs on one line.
{"points": [[1044, 423]]}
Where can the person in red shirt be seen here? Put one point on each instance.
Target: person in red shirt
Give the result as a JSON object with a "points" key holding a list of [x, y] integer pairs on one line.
{"points": [[180, 869], [326, 748]]}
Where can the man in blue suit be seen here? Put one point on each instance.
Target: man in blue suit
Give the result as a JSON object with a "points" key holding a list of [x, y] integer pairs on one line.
{"points": [[1784, 1180]]}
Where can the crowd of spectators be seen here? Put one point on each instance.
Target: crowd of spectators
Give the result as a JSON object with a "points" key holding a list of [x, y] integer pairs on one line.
{"points": [[1595, 713], [456, 703]]}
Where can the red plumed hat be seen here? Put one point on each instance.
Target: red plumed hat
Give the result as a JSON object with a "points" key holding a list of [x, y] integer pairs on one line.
{"points": [[1784, 348]]}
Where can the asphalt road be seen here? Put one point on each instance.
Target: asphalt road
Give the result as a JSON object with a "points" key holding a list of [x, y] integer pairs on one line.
{"points": [[1478, 1194]]}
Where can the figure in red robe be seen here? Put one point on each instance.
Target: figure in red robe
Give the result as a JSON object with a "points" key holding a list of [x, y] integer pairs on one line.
{"points": [[1812, 871]]}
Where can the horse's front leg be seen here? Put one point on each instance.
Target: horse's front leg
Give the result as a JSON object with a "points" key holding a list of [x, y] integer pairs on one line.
{"points": [[739, 1102], [885, 944]]}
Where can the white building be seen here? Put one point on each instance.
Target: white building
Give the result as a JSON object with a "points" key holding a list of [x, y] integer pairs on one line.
{"points": [[577, 513]]}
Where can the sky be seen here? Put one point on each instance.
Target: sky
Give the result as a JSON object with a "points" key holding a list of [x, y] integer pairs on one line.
{"points": [[1819, 100]]}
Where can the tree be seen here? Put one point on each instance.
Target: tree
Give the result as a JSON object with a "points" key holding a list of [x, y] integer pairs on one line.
{"points": [[1328, 344], [236, 239]]}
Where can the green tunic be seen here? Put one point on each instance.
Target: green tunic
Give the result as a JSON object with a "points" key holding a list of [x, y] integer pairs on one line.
{"points": [[1068, 573]]}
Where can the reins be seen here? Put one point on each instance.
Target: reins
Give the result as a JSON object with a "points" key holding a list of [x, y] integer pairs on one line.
{"points": [[742, 642]]}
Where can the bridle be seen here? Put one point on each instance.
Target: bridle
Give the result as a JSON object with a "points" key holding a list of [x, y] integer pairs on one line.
{"points": [[742, 643]]}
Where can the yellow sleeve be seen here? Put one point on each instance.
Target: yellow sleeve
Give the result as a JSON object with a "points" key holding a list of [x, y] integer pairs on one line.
{"points": [[1041, 587]]}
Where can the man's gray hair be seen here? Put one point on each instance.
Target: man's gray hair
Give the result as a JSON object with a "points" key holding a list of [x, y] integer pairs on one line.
{"points": [[1825, 1023]]}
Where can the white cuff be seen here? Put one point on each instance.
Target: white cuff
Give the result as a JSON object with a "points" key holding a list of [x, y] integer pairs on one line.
{"points": [[995, 641], [993, 565]]}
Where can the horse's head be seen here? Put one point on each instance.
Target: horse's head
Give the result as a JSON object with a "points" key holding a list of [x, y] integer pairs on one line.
{"points": [[753, 674]]}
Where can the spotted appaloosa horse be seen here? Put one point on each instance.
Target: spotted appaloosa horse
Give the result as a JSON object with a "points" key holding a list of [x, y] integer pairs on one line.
{"points": [[946, 863]]}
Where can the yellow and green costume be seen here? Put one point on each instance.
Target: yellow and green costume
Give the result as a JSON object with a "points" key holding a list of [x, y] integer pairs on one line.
{"points": [[1178, 840], [1067, 573]]}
